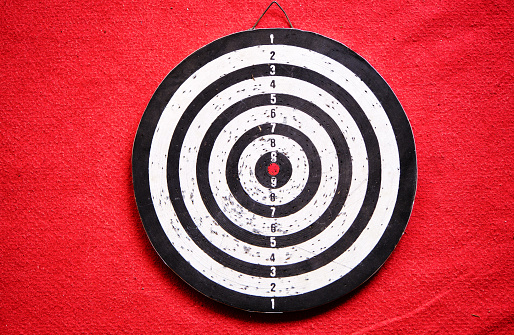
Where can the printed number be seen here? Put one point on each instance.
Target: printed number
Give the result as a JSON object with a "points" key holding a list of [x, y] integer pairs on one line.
{"points": [[272, 55], [273, 98], [273, 114], [273, 285], [273, 211], [273, 155], [273, 84], [272, 197], [272, 242], [271, 37], [273, 272], [272, 69], [273, 181], [272, 142], [272, 303], [272, 257], [273, 227], [273, 125]]}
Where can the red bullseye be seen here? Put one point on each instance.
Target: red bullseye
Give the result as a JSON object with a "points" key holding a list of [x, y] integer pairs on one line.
{"points": [[273, 169]]}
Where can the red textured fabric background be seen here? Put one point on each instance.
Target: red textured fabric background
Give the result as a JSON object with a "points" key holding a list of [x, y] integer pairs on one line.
{"points": [[75, 80]]}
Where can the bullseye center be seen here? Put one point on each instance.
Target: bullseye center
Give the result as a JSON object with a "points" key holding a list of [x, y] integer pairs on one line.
{"points": [[273, 169]]}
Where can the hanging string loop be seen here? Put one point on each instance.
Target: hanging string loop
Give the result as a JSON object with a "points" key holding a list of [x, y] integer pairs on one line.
{"points": [[283, 11]]}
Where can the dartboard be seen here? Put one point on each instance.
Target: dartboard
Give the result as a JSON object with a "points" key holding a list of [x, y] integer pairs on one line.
{"points": [[274, 170]]}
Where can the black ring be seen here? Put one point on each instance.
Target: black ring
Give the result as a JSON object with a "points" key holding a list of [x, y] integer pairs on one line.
{"points": [[315, 262], [233, 181], [204, 153]]}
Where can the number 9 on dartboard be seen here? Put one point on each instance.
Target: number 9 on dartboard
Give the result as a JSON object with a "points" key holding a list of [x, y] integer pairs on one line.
{"points": [[274, 170]]}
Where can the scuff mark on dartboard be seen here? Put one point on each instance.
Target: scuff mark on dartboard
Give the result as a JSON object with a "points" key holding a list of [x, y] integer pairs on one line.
{"points": [[281, 170]]}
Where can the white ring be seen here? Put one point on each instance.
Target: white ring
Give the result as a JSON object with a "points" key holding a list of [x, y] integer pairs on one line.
{"points": [[248, 160]]}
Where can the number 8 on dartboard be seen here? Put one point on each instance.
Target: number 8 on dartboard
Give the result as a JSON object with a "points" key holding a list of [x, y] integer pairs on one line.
{"points": [[274, 170]]}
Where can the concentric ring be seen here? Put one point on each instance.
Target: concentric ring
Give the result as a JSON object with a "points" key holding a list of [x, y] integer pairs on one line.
{"points": [[257, 181], [302, 218], [314, 168], [205, 190]]}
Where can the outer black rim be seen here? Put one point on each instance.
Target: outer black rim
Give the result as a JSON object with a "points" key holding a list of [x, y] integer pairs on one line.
{"points": [[401, 128]]}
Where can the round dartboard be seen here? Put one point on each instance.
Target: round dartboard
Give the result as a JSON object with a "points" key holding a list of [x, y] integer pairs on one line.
{"points": [[274, 170]]}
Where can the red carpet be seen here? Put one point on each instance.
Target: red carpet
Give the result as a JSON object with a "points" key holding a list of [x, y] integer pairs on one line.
{"points": [[76, 79]]}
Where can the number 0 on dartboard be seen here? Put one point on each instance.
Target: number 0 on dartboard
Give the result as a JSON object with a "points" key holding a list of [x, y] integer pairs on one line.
{"points": [[274, 170]]}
